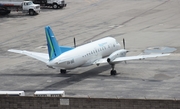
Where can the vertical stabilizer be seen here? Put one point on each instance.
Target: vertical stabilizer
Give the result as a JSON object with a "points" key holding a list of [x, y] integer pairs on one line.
{"points": [[53, 47]]}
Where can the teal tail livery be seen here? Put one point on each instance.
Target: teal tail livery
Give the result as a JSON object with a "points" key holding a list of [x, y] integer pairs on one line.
{"points": [[52, 44], [103, 51], [54, 49]]}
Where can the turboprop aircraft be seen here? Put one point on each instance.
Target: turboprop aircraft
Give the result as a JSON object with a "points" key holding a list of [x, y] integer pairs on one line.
{"points": [[105, 50]]}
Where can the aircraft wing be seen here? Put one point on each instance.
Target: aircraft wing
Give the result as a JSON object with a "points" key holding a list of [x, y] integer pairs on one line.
{"points": [[39, 56], [120, 59]]}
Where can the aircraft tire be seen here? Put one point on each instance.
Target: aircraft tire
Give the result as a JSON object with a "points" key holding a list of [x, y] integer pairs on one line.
{"points": [[63, 71], [113, 72]]}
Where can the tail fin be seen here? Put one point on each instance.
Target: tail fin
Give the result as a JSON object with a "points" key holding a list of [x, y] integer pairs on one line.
{"points": [[53, 47]]}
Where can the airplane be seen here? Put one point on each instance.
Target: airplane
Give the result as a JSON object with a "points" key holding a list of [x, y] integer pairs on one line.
{"points": [[106, 50]]}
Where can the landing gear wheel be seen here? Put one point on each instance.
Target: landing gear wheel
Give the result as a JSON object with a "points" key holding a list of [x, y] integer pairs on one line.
{"points": [[113, 72], [63, 71]]}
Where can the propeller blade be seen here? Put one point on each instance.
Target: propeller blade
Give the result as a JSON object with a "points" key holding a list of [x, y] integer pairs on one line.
{"points": [[74, 42], [124, 43]]}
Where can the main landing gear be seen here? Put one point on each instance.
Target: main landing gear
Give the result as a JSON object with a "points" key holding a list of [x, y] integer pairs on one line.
{"points": [[113, 72], [63, 71]]}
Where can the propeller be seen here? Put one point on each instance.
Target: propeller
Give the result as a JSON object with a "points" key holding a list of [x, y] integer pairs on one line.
{"points": [[124, 48], [124, 43], [74, 42]]}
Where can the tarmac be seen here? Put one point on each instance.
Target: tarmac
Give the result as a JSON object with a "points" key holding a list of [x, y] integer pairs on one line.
{"points": [[143, 24]]}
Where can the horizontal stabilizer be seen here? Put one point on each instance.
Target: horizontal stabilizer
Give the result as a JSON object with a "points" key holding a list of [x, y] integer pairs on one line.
{"points": [[39, 56], [65, 48]]}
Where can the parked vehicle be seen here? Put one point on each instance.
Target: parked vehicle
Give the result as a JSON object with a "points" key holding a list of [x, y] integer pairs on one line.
{"points": [[50, 93], [55, 4], [26, 7], [4, 11], [12, 93]]}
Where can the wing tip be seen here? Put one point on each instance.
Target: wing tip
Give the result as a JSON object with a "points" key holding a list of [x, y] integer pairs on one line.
{"points": [[16, 51], [11, 50]]}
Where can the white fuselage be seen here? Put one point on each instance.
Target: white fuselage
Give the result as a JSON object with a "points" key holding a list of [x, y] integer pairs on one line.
{"points": [[85, 55]]}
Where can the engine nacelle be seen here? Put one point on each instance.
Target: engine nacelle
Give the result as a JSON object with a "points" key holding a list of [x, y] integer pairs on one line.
{"points": [[116, 54]]}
